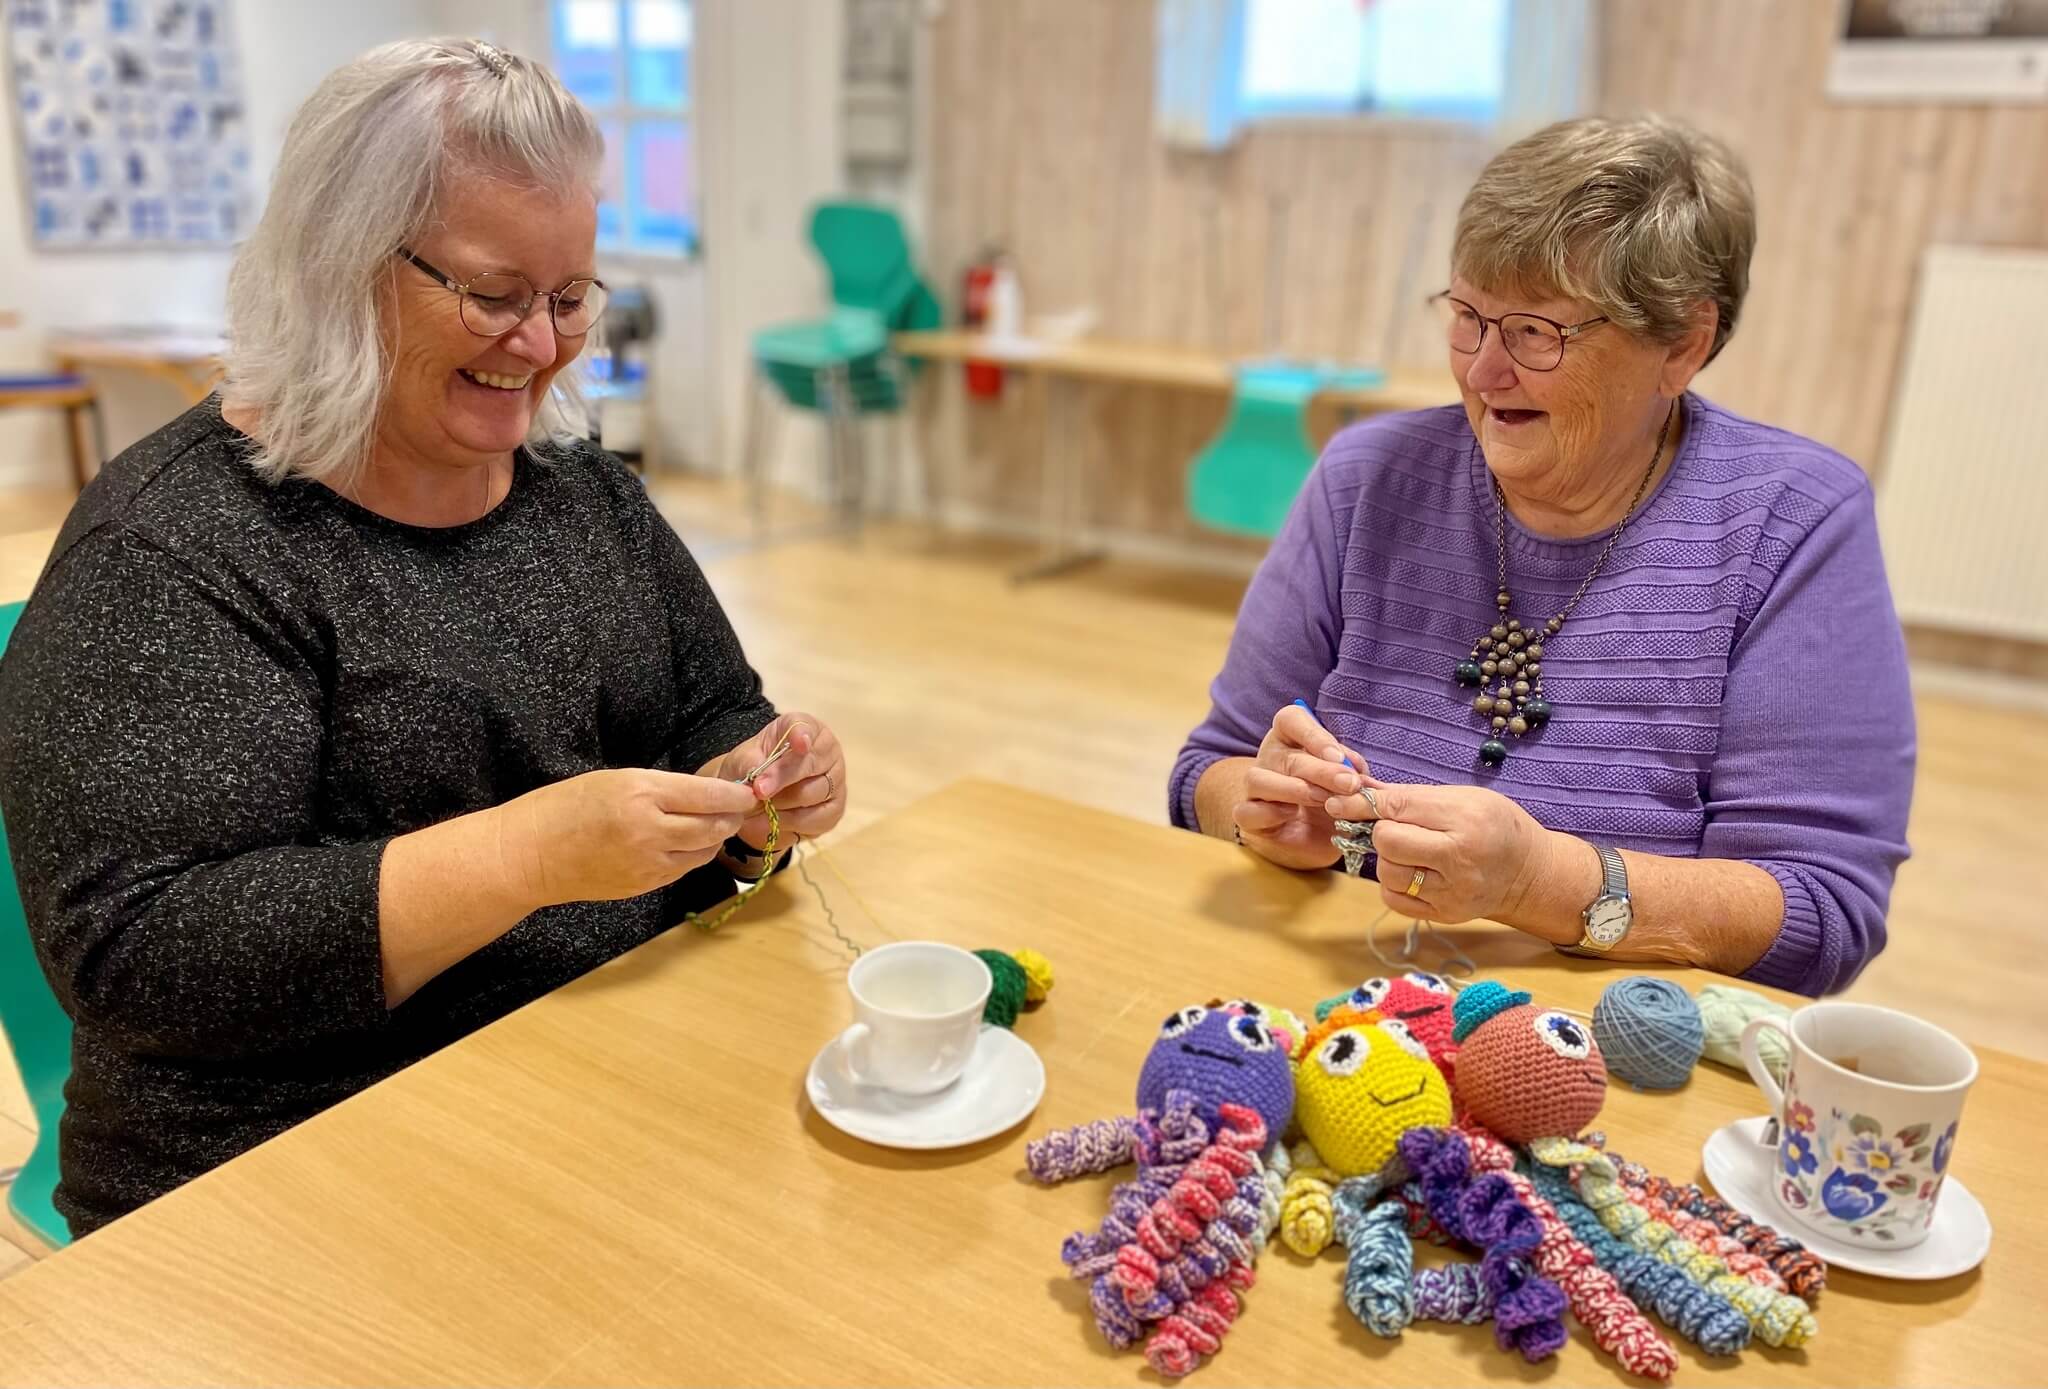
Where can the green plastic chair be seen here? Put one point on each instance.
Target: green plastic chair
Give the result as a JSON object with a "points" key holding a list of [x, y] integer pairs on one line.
{"points": [[1245, 481], [840, 366], [39, 1035]]}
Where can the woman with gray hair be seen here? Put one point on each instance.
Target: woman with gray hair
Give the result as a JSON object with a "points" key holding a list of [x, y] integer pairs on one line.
{"points": [[1588, 654], [360, 705]]}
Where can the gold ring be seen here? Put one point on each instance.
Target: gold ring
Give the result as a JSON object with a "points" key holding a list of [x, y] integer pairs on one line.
{"points": [[1415, 883], [828, 786]]}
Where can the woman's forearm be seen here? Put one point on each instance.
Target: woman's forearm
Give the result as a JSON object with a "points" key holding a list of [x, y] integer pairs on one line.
{"points": [[447, 891], [1712, 913]]}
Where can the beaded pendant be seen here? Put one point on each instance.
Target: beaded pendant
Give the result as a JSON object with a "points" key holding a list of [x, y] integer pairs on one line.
{"points": [[1508, 657], [1511, 660]]}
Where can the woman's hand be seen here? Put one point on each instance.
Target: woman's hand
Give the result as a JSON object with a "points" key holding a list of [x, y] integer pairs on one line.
{"points": [[612, 834], [1479, 853], [807, 783], [1300, 770]]}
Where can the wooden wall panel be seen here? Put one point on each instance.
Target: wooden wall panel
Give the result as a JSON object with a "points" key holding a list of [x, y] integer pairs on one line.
{"points": [[1295, 239]]}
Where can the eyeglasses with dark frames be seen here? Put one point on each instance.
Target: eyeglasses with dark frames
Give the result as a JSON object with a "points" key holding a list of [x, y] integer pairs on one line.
{"points": [[494, 303], [1534, 341]]}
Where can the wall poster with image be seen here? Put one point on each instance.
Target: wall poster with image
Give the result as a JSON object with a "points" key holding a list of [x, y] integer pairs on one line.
{"points": [[131, 122]]}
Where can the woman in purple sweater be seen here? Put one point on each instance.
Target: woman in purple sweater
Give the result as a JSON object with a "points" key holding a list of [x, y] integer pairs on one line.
{"points": [[1616, 666]]}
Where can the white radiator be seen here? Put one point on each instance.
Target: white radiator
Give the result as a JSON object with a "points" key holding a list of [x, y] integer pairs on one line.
{"points": [[1963, 499]]}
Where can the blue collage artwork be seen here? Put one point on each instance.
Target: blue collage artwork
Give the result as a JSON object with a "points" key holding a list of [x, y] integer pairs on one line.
{"points": [[131, 119]]}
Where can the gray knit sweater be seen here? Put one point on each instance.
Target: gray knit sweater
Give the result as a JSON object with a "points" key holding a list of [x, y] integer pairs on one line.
{"points": [[222, 701]]}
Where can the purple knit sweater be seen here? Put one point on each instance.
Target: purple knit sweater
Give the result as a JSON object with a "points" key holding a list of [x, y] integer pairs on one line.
{"points": [[1733, 686]]}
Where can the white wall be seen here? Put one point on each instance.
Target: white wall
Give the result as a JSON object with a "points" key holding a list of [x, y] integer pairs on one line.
{"points": [[287, 47]]}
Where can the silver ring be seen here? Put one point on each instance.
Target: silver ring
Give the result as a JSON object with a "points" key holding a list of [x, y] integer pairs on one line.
{"points": [[1372, 801], [828, 786]]}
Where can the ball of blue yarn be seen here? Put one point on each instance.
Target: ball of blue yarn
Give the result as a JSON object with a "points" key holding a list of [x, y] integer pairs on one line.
{"points": [[1650, 1031]]}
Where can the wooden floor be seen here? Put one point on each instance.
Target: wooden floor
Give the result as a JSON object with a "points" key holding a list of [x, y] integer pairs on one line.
{"points": [[932, 666]]}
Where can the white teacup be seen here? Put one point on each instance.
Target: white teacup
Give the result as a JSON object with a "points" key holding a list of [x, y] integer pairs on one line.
{"points": [[917, 1008], [1866, 1119]]}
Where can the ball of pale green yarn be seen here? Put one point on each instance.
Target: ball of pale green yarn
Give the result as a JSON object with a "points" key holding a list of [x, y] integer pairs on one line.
{"points": [[1726, 1010]]}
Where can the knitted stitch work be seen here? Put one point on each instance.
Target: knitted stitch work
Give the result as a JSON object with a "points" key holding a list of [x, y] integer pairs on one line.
{"points": [[1597, 1300], [1805, 1272], [1421, 1001], [1526, 1073], [1360, 1087], [1221, 1058], [1779, 1319], [1705, 1318], [1379, 1261], [1483, 1211]]}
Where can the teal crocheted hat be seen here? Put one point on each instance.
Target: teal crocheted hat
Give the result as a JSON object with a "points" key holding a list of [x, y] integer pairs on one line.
{"points": [[1481, 1001]]}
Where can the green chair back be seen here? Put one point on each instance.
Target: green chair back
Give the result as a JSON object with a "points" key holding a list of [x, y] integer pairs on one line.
{"points": [[867, 256], [1246, 479], [39, 1035]]}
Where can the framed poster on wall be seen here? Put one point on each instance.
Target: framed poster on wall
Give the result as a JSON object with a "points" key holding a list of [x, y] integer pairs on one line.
{"points": [[130, 122], [1941, 50]]}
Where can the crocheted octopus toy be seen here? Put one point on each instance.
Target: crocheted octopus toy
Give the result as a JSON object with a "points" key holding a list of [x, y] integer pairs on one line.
{"points": [[1556, 1224], [1169, 1261]]}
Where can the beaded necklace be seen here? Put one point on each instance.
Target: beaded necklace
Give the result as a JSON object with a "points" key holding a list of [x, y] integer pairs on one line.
{"points": [[1513, 655]]}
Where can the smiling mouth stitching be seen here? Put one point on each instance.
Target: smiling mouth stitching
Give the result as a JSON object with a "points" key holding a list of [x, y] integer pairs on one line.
{"points": [[1420, 1086], [1420, 1012], [1212, 1055]]}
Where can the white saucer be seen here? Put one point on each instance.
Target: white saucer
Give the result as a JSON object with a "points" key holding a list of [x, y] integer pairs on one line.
{"points": [[1742, 1170], [1002, 1084]]}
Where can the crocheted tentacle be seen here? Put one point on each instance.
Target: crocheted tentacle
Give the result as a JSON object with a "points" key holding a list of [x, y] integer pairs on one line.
{"points": [[1379, 1260], [1778, 1319], [1421, 1224], [1274, 1168], [1065, 1154], [1307, 1222], [1805, 1272], [1204, 1205], [1597, 1300], [1703, 1317], [1180, 1342], [1703, 1233], [1453, 1292], [1482, 1210]]}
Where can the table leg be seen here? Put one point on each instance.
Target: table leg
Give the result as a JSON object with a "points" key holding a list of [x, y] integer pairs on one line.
{"points": [[1062, 479]]}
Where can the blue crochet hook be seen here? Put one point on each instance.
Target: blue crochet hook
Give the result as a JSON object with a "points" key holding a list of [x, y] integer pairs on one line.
{"points": [[1303, 705]]}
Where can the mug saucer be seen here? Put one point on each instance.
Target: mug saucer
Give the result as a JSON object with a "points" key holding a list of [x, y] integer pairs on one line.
{"points": [[1002, 1084], [1742, 1169]]}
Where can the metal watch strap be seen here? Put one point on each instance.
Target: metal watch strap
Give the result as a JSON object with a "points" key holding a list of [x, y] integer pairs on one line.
{"points": [[1613, 871]]}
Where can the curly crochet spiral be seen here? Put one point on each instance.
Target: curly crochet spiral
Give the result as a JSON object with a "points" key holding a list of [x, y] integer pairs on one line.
{"points": [[1082, 1150], [1703, 1233], [1482, 1210], [1778, 1319], [1308, 1219], [1805, 1272], [1380, 1262], [1597, 1300], [1453, 1292], [1703, 1317]]}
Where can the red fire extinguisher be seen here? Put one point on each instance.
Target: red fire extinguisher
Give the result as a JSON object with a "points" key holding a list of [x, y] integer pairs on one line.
{"points": [[984, 379]]}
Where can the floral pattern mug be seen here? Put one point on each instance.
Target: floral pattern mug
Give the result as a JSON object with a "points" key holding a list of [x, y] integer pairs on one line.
{"points": [[1867, 1119]]}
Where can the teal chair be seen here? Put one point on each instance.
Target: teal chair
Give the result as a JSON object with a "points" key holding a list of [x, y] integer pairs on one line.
{"points": [[39, 1035], [840, 366], [1246, 479]]}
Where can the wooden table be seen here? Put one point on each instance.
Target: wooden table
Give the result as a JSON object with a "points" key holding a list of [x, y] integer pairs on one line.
{"points": [[623, 1184], [188, 360], [1066, 367]]}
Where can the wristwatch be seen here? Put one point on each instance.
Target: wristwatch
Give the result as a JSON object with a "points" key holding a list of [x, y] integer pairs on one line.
{"points": [[743, 860], [1613, 911]]}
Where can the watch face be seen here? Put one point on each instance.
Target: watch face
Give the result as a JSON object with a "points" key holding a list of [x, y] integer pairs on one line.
{"points": [[1608, 920]]}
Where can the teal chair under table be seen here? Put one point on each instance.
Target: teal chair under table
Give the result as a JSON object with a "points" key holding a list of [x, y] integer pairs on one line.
{"points": [[39, 1035], [1246, 479]]}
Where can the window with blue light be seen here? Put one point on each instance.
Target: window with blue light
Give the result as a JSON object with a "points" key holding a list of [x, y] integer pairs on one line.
{"points": [[1430, 59], [629, 62]]}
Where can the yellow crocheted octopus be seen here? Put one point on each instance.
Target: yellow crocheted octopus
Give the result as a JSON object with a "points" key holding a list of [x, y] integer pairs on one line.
{"points": [[1361, 1081]]}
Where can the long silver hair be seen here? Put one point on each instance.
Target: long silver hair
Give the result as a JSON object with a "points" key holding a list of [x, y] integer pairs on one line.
{"points": [[364, 166]]}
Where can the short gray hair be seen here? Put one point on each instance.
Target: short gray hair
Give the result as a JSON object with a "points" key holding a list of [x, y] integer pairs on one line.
{"points": [[1644, 218], [366, 161]]}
